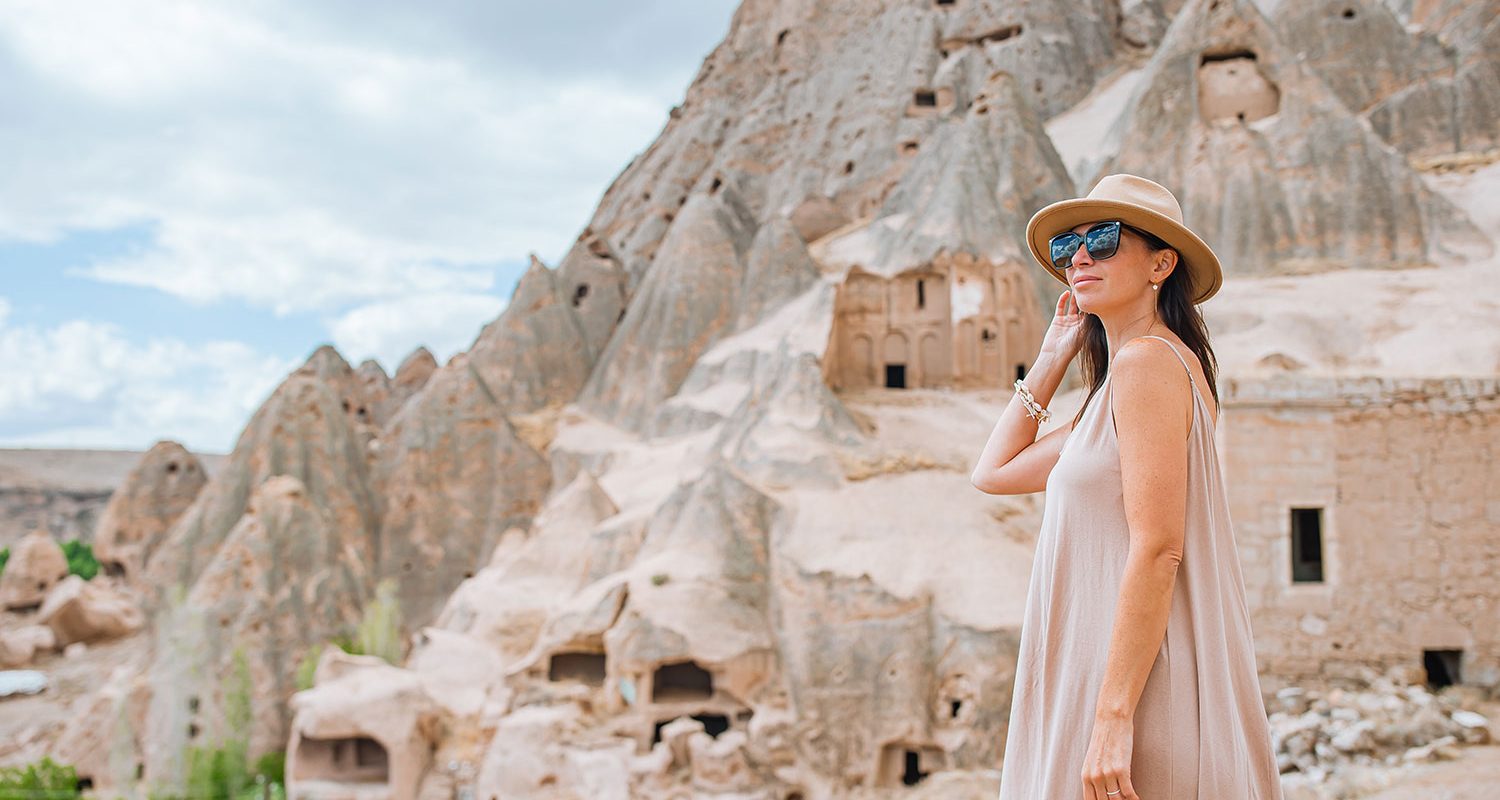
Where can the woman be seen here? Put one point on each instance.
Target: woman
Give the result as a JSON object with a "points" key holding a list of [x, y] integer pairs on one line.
{"points": [[1136, 676]]}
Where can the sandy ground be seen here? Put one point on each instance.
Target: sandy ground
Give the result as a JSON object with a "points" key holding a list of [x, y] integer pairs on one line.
{"points": [[1474, 776]]}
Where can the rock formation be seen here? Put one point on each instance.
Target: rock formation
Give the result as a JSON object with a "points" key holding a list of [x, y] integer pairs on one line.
{"points": [[36, 564], [453, 475], [86, 611], [310, 429], [287, 578], [154, 495], [1222, 117]]}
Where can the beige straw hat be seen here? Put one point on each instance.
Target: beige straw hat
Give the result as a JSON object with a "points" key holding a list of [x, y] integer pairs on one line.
{"points": [[1138, 203]]}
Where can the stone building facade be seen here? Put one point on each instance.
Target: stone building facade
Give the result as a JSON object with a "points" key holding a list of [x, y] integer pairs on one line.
{"points": [[955, 321], [1366, 511]]}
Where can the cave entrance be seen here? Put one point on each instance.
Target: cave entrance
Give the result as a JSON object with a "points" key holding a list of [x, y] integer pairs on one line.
{"points": [[682, 680], [585, 668], [354, 759]]}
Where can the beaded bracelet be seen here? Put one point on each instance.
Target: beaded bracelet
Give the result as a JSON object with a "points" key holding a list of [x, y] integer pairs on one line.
{"points": [[1033, 410]]}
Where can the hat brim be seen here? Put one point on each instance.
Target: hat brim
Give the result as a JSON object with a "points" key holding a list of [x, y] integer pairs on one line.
{"points": [[1208, 276]]}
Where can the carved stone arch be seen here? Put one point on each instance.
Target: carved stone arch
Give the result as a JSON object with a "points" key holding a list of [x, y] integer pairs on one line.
{"points": [[931, 366], [863, 357]]}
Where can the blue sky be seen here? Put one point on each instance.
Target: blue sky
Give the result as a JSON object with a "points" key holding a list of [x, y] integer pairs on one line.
{"points": [[198, 195]]}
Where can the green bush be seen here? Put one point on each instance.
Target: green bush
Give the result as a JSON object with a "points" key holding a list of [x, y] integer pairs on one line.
{"points": [[272, 767], [307, 668], [380, 629], [44, 780], [81, 561]]}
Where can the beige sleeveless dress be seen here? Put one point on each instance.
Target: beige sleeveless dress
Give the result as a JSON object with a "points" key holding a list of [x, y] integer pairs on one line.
{"points": [[1200, 725]]}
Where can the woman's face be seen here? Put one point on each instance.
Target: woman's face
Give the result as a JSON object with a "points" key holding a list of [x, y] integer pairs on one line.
{"points": [[1117, 280]]}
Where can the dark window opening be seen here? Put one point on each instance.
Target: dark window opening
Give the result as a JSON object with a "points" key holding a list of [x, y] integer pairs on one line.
{"points": [[1020, 371], [113, 569], [1241, 115], [925, 98], [579, 292], [714, 187], [586, 668], [909, 147], [84, 784], [1442, 667], [848, 167], [353, 759], [999, 34], [895, 376], [369, 753], [1348, 13], [912, 774], [985, 335], [171, 466], [1307, 545], [713, 725], [1227, 55], [921, 294], [945, 2], [682, 680], [956, 706], [781, 37]]}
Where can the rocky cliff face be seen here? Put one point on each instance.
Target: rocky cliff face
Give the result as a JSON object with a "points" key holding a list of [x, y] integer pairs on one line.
{"points": [[641, 546]]}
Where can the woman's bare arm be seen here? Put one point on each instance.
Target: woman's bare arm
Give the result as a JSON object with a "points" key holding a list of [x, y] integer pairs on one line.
{"points": [[1014, 460], [1151, 399]]}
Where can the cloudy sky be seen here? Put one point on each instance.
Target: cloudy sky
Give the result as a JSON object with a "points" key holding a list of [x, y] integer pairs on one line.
{"points": [[196, 195]]}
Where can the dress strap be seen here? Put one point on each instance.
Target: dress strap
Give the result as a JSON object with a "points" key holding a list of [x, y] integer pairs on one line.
{"points": [[1185, 366]]}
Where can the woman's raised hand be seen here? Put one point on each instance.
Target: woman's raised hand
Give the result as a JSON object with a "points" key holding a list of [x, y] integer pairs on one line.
{"points": [[1064, 336]]}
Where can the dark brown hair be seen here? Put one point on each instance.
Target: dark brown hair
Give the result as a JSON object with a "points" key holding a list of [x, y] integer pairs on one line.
{"points": [[1174, 304]]}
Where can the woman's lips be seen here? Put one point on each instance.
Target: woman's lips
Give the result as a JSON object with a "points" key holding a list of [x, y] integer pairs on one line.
{"points": [[1082, 281]]}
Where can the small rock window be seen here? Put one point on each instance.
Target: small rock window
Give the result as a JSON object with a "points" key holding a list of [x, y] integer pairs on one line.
{"points": [[1442, 667], [683, 680], [1307, 545]]}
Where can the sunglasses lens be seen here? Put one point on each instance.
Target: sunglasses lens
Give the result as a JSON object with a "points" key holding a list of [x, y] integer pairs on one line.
{"points": [[1103, 240], [1064, 245]]}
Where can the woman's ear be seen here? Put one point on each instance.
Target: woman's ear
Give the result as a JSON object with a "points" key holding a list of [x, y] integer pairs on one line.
{"points": [[1165, 262]]}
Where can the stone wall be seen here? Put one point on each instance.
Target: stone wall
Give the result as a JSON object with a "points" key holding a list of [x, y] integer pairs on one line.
{"points": [[1405, 474]]}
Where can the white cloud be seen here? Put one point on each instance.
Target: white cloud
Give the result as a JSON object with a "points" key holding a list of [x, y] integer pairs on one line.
{"points": [[388, 331], [86, 384], [295, 167]]}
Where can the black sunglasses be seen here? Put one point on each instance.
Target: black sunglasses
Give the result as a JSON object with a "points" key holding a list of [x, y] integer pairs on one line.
{"points": [[1102, 240]]}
